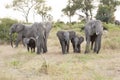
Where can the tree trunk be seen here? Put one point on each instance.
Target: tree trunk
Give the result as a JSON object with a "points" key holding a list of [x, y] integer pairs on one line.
{"points": [[70, 19]]}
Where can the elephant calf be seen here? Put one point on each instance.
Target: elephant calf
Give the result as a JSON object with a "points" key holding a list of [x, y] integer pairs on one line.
{"points": [[63, 37], [30, 43], [76, 42]]}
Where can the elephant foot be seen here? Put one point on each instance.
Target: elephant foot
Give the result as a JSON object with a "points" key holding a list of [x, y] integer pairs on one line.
{"points": [[86, 52], [96, 51], [44, 51], [38, 52]]}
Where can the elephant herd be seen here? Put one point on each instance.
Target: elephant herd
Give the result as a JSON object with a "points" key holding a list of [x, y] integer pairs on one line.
{"points": [[38, 31], [36, 35]]}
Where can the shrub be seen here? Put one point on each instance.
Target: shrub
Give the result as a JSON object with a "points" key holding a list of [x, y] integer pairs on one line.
{"points": [[5, 24]]}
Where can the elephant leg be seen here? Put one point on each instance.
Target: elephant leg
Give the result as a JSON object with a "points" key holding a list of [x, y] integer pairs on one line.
{"points": [[73, 44], [75, 48], [39, 49], [87, 50], [33, 49], [63, 46], [28, 48], [91, 45], [19, 38], [68, 47], [79, 48], [97, 44], [45, 46]]}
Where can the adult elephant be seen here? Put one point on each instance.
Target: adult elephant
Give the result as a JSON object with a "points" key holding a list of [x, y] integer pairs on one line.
{"points": [[41, 32], [40, 35], [63, 37], [93, 34], [76, 42], [22, 31]]}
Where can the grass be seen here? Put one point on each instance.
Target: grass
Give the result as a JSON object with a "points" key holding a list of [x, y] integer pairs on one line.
{"points": [[17, 63]]}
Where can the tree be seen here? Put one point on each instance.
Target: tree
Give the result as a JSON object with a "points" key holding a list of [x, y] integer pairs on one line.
{"points": [[43, 10], [104, 13], [84, 6], [106, 10], [78, 6], [24, 6], [69, 10]]}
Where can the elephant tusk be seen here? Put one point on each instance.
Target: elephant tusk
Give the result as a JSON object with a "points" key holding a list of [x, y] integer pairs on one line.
{"points": [[97, 33]]}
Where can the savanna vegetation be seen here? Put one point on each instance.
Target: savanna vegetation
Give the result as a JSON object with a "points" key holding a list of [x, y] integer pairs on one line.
{"points": [[17, 63]]}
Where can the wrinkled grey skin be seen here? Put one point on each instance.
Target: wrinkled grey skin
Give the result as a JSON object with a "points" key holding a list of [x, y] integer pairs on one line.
{"points": [[76, 42], [30, 43], [40, 31], [47, 26], [22, 31], [93, 34], [63, 37], [71, 36]]}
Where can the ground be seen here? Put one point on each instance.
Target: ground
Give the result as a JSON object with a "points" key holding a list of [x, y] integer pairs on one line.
{"points": [[18, 64]]}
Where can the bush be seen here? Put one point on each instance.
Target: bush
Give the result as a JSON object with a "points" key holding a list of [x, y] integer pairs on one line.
{"points": [[5, 24]]}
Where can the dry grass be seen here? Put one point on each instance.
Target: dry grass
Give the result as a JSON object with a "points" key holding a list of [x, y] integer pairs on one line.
{"points": [[18, 64]]}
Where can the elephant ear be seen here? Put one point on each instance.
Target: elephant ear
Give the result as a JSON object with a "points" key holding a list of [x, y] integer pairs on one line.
{"points": [[19, 27], [81, 39]]}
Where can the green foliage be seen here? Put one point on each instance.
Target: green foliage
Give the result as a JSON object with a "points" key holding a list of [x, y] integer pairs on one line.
{"points": [[85, 6], [15, 63], [69, 10], [105, 14], [5, 24], [106, 10], [111, 27]]}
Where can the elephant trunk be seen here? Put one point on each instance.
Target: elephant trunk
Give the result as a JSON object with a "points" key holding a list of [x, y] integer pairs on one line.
{"points": [[11, 39]]}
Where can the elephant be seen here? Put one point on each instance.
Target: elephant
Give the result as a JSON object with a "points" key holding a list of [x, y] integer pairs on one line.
{"points": [[40, 35], [76, 42], [117, 22], [63, 37], [93, 35], [30, 43], [39, 31], [22, 31]]}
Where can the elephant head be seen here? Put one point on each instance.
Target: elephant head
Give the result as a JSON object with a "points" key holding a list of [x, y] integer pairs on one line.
{"points": [[76, 42], [93, 33], [30, 43], [72, 34], [15, 28]]}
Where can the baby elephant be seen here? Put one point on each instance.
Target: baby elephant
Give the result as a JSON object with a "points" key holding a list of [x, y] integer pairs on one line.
{"points": [[63, 37], [30, 43], [76, 42]]}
